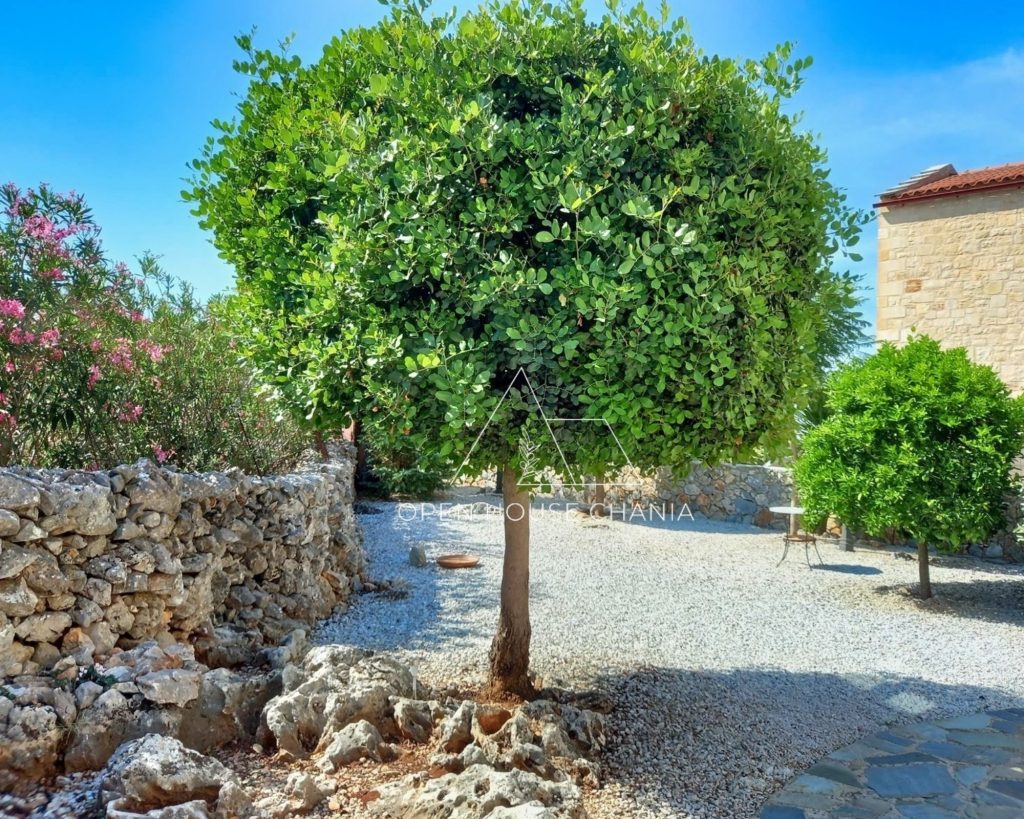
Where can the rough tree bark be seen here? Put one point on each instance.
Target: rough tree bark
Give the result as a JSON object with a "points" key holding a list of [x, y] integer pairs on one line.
{"points": [[510, 649], [321, 446], [597, 508], [922, 570]]}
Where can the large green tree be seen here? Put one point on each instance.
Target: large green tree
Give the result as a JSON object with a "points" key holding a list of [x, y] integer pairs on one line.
{"points": [[445, 225], [918, 441]]}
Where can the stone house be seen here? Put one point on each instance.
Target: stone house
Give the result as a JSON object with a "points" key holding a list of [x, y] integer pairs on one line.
{"points": [[951, 263]]}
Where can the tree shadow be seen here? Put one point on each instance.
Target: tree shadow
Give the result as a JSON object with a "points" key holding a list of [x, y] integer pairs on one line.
{"points": [[992, 597], [416, 622], [846, 568], [720, 743]]}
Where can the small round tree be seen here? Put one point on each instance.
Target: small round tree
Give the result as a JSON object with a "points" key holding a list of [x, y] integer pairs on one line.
{"points": [[449, 228], [918, 441]]}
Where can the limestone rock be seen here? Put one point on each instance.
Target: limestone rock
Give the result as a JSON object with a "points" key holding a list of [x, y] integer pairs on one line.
{"points": [[335, 686], [299, 796], [156, 772], [17, 494], [100, 729], [413, 718], [177, 686], [15, 559], [47, 627], [16, 598], [10, 523], [358, 740], [86, 509], [228, 707], [457, 729], [476, 792], [31, 734]]}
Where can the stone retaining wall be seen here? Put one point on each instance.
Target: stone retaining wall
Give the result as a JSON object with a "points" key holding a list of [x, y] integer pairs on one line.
{"points": [[740, 493], [90, 561]]}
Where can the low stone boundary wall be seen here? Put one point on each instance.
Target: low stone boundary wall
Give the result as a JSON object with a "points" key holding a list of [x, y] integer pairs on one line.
{"points": [[740, 493], [90, 561]]}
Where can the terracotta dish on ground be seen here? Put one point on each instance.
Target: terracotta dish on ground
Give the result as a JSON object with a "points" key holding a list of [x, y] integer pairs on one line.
{"points": [[457, 561]]}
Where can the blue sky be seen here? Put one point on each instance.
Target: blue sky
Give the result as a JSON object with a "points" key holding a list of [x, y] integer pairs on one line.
{"points": [[113, 99]]}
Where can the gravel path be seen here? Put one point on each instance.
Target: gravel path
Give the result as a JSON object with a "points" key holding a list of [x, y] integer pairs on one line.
{"points": [[730, 674]]}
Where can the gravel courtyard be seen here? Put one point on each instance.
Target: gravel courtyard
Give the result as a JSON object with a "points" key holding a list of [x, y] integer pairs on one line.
{"points": [[730, 674]]}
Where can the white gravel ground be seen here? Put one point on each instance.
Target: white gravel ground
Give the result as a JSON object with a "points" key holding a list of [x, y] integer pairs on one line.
{"points": [[730, 674]]}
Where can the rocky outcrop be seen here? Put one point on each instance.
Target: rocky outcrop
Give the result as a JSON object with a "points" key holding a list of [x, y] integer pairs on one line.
{"points": [[479, 791], [91, 561], [335, 686], [342, 705], [157, 777]]}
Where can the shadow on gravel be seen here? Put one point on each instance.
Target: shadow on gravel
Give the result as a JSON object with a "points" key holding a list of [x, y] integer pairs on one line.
{"points": [[990, 597], [845, 568], [385, 622], [720, 743]]}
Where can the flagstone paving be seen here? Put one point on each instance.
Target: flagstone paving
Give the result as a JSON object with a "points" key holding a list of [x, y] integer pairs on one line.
{"points": [[970, 766]]}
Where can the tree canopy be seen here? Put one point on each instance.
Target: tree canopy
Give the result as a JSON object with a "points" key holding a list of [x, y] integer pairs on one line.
{"points": [[441, 201]]}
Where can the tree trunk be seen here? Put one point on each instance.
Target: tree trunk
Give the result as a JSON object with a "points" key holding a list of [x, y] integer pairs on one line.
{"points": [[597, 508], [498, 481], [321, 447], [922, 570], [510, 649]]}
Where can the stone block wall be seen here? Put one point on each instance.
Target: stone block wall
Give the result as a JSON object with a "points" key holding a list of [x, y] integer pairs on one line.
{"points": [[91, 562], [953, 268]]}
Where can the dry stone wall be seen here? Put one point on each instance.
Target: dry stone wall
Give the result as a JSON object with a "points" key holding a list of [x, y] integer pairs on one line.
{"points": [[740, 493], [90, 561]]}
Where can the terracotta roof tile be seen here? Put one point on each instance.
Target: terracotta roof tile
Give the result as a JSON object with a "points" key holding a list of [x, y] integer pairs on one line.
{"points": [[952, 183]]}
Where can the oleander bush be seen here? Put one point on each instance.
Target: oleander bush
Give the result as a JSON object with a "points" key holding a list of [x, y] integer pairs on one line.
{"points": [[917, 441], [101, 365]]}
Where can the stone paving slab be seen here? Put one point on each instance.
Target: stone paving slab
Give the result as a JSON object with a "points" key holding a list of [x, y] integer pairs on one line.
{"points": [[969, 766]]}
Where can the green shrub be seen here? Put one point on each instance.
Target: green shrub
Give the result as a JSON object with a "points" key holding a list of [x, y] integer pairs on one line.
{"points": [[917, 440]]}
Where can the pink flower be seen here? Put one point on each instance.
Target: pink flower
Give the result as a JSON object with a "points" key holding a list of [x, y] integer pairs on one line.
{"points": [[121, 356], [12, 308], [19, 336], [94, 375], [50, 338], [9, 367], [161, 454], [152, 349], [130, 413], [38, 226]]}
